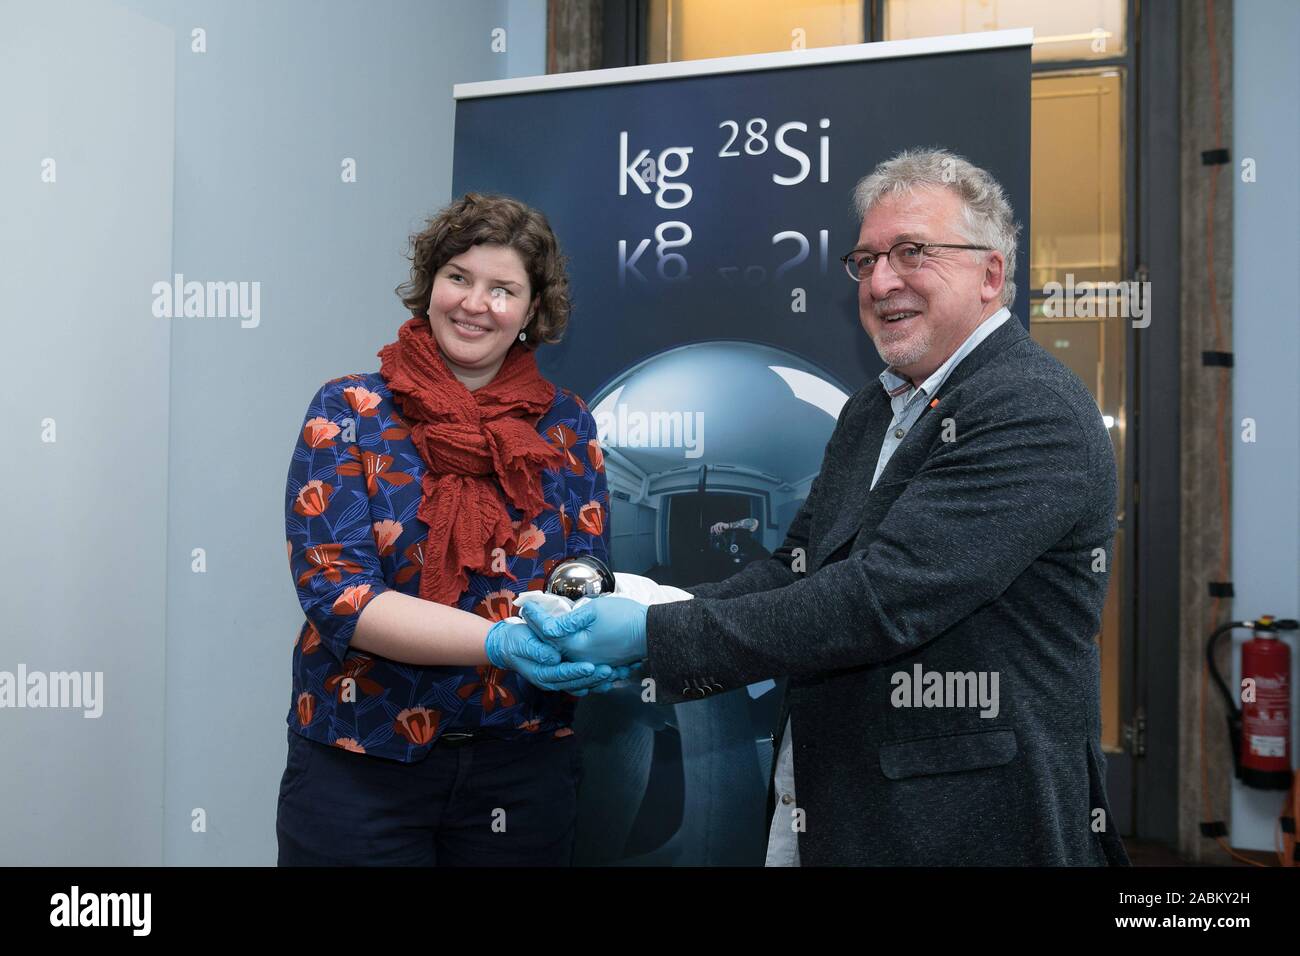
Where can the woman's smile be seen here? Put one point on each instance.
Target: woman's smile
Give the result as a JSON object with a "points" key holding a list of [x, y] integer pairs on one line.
{"points": [[469, 329]]}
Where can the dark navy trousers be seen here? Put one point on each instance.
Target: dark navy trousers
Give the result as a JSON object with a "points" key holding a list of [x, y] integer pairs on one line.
{"points": [[486, 803]]}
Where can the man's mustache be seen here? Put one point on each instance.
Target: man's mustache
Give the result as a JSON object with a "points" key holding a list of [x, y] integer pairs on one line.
{"points": [[895, 305]]}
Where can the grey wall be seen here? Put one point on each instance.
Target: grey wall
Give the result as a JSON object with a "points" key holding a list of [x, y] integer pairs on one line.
{"points": [[84, 514], [1266, 343], [526, 31], [159, 454]]}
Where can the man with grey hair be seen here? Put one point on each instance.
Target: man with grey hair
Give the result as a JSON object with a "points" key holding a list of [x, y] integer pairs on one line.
{"points": [[937, 597]]}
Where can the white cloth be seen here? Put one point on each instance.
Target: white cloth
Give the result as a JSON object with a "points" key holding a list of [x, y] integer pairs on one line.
{"points": [[635, 586]]}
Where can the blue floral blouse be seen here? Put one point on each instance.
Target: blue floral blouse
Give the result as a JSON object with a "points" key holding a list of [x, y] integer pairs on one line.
{"points": [[353, 490]]}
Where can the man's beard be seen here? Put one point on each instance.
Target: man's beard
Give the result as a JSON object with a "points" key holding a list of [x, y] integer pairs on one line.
{"points": [[908, 351]]}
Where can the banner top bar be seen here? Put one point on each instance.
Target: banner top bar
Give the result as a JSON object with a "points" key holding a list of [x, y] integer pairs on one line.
{"points": [[881, 49]]}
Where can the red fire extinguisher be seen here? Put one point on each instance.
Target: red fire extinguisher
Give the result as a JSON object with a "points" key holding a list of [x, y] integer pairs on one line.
{"points": [[1266, 720], [1261, 727]]}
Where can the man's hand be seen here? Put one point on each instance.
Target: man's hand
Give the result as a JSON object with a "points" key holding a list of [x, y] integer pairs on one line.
{"points": [[514, 647], [607, 630]]}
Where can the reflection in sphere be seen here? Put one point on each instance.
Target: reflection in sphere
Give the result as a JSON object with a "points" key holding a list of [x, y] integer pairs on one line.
{"points": [[710, 450], [580, 577]]}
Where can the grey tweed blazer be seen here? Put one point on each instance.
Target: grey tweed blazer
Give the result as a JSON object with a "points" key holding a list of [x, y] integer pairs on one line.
{"points": [[984, 548]]}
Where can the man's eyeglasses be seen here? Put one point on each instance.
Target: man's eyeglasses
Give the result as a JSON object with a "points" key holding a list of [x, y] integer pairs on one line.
{"points": [[904, 257]]}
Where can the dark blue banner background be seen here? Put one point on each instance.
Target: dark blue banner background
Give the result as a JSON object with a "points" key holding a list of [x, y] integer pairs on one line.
{"points": [[757, 395], [559, 151]]}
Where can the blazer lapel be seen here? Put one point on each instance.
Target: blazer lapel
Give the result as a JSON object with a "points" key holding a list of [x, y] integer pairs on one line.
{"points": [[854, 499]]}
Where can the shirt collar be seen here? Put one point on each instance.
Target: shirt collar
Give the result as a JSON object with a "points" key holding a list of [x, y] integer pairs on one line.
{"points": [[895, 384]]}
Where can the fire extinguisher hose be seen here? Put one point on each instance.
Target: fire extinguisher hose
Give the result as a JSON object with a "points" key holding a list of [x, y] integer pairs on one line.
{"points": [[1229, 699]]}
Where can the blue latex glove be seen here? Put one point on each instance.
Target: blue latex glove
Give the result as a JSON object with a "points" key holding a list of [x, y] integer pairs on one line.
{"points": [[515, 648], [607, 630]]}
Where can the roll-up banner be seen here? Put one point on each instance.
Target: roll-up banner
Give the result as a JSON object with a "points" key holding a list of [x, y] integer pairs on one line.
{"points": [[703, 208]]}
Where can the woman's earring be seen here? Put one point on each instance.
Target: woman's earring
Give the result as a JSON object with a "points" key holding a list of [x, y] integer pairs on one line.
{"points": [[523, 336]]}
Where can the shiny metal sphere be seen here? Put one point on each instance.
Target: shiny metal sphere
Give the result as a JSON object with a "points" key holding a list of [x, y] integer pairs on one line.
{"points": [[583, 576]]}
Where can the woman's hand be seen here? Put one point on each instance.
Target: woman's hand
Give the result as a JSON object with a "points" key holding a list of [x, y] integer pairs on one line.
{"points": [[621, 673], [515, 647]]}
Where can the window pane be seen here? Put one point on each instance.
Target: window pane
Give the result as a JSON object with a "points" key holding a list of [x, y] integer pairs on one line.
{"points": [[699, 29], [1063, 29], [1076, 344], [1076, 193]]}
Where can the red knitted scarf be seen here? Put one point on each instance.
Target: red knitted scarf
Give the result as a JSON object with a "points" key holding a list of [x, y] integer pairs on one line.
{"points": [[476, 447]]}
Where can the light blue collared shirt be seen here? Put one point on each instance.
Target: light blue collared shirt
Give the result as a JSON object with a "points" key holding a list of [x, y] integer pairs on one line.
{"points": [[908, 402]]}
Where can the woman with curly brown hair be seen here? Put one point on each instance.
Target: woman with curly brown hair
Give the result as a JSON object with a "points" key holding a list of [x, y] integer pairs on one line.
{"points": [[427, 726]]}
